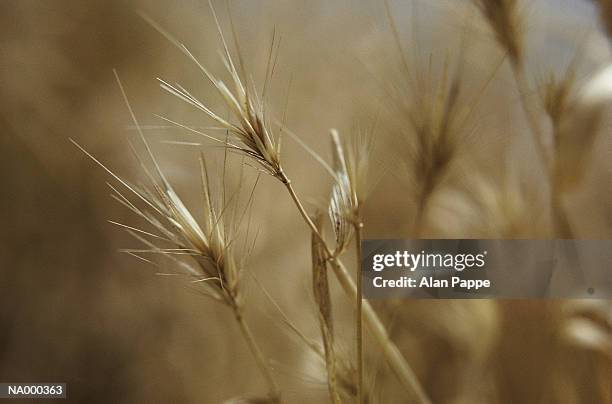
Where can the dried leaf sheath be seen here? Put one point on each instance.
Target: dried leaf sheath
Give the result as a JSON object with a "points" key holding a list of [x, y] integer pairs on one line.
{"points": [[320, 288]]}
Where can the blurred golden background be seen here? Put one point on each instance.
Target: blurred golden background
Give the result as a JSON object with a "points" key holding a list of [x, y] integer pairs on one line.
{"points": [[74, 309]]}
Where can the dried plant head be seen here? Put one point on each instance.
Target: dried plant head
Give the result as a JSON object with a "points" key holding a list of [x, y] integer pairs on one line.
{"points": [[250, 131], [504, 20], [202, 251], [350, 165], [435, 131], [578, 128]]}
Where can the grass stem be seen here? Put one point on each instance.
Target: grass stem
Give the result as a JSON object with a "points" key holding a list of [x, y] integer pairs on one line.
{"points": [[358, 312], [392, 354]]}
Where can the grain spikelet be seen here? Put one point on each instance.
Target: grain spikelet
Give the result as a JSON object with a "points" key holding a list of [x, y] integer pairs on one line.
{"points": [[252, 135], [348, 191]]}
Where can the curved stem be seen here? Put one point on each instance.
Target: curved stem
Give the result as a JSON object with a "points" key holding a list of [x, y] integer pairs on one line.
{"points": [[392, 354]]}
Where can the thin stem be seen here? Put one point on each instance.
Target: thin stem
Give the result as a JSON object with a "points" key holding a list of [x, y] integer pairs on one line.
{"points": [[358, 312], [394, 357], [273, 389], [320, 287]]}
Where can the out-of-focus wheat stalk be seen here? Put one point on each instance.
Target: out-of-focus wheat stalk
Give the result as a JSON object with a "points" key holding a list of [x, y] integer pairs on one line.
{"points": [[569, 116], [556, 97], [437, 114], [504, 19]]}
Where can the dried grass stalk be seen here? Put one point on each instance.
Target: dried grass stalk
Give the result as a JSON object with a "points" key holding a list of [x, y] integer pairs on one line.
{"points": [[253, 137], [211, 265], [320, 288], [348, 192]]}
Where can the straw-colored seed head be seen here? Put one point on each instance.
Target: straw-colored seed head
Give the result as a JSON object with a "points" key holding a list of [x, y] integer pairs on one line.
{"points": [[250, 131], [207, 243], [350, 165], [436, 124]]}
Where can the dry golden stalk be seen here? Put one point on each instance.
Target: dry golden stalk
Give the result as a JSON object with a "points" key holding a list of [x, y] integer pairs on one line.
{"points": [[392, 354], [215, 273], [212, 266], [348, 191], [320, 288]]}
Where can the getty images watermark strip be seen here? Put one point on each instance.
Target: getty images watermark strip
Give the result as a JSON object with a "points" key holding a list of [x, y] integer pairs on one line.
{"points": [[478, 269]]}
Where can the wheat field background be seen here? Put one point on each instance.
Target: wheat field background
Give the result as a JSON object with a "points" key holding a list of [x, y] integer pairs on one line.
{"points": [[74, 309]]}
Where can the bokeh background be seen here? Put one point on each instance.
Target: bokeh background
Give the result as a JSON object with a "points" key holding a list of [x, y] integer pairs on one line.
{"points": [[74, 309]]}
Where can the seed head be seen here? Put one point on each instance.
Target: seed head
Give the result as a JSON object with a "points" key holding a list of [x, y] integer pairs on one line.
{"points": [[350, 168]]}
